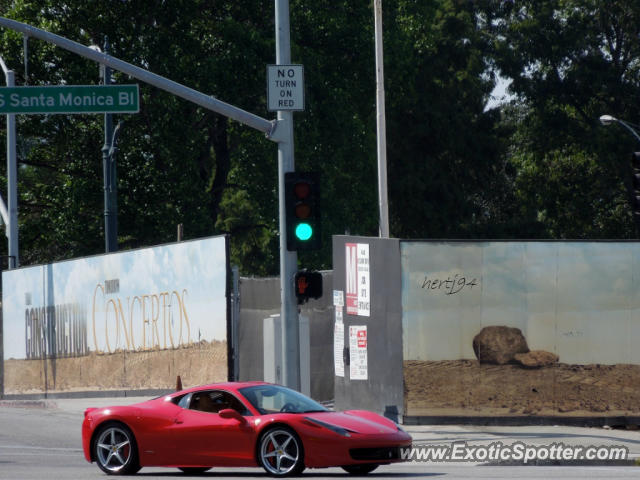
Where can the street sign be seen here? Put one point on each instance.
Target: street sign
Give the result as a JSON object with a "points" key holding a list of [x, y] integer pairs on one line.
{"points": [[70, 99], [285, 87]]}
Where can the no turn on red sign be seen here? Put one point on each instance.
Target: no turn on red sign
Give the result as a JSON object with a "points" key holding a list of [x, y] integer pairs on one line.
{"points": [[285, 87]]}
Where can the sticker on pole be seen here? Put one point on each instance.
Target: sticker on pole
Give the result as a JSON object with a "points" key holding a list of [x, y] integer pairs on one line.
{"points": [[285, 87]]}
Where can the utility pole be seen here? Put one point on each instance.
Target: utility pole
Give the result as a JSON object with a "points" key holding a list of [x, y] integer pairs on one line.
{"points": [[383, 202], [109, 172], [12, 180], [288, 260]]}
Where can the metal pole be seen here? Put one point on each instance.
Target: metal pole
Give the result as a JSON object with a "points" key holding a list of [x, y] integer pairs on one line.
{"points": [[629, 127], [110, 236], [12, 182], [288, 260], [608, 120], [1, 352], [235, 322], [383, 202], [636, 217], [4, 212], [113, 192]]}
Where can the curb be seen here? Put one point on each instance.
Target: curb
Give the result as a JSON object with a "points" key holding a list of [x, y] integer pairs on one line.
{"points": [[28, 404], [631, 462], [522, 421], [84, 394]]}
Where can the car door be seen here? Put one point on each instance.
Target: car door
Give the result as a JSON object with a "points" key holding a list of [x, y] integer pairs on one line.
{"points": [[202, 437]]}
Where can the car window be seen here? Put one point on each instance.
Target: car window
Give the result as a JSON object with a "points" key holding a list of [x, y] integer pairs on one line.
{"points": [[212, 401], [276, 399], [184, 401]]}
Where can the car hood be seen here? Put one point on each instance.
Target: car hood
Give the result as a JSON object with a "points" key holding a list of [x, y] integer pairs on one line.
{"points": [[356, 421]]}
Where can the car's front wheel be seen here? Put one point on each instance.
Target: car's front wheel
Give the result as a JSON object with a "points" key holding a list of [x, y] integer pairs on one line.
{"points": [[280, 452], [115, 450], [361, 469]]}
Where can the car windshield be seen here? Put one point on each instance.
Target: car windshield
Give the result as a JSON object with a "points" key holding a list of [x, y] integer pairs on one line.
{"points": [[274, 399]]}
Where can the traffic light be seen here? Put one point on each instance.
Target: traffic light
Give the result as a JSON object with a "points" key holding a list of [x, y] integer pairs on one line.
{"points": [[308, 285], [635, 164], [302, 211]]}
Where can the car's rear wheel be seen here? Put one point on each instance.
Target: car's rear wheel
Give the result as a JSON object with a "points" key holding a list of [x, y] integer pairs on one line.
{"points": [[361, 469], [115, 450], [280, 452], [194, 470]]}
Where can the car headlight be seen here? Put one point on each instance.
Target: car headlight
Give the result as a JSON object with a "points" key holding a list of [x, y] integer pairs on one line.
{"points": [[339, 430]]}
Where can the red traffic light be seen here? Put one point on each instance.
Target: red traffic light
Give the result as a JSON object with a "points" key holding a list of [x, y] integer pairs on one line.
{"points": [[302, 190]]}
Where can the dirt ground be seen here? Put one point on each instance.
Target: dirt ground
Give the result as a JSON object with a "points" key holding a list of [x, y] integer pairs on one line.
{"points": [[464, 387], [197, 364]]}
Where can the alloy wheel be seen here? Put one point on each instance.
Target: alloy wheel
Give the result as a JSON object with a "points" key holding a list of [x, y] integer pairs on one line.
{"points": [[115, 450], [281, 452]]}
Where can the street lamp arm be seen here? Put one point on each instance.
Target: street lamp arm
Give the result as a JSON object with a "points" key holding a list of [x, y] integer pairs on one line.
{"points": [[628, 127], [609, 119]]}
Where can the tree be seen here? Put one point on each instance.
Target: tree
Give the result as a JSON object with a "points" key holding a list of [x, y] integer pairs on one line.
{"points": [[570, 62], [174, 158], [443, 146], [449, 174]]}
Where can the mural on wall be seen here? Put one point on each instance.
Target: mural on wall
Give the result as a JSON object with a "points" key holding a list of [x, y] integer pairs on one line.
{"points": [[521, 328], [144, 304]]}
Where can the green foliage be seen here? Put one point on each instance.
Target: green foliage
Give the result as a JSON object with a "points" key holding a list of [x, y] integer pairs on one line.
{"points": [[570, 62], [174, 159], [442, 144], [540, 167], [335, 136]]}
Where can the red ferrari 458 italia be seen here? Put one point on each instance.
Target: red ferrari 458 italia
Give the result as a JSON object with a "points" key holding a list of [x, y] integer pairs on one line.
{"points": [[239, 424]]}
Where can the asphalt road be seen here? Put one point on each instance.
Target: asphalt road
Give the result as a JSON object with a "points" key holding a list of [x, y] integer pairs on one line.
{"points": [[44, 443]]}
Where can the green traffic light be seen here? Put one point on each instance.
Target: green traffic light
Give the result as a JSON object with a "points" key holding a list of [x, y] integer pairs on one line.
{"points": [[304, 231]]}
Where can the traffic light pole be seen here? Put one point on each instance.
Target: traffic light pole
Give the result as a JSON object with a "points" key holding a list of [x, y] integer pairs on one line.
{"points": [[288, 260], [383, 202]]}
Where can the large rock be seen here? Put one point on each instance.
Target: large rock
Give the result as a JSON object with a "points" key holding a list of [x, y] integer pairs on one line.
{"points": [[536, 359], [498, 344]]}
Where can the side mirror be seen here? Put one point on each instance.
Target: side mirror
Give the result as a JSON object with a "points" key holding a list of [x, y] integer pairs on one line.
{"points": [[231, 413]]}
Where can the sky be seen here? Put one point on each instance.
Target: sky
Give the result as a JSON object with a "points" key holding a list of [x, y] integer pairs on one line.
{"points": [[499, 94]]}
